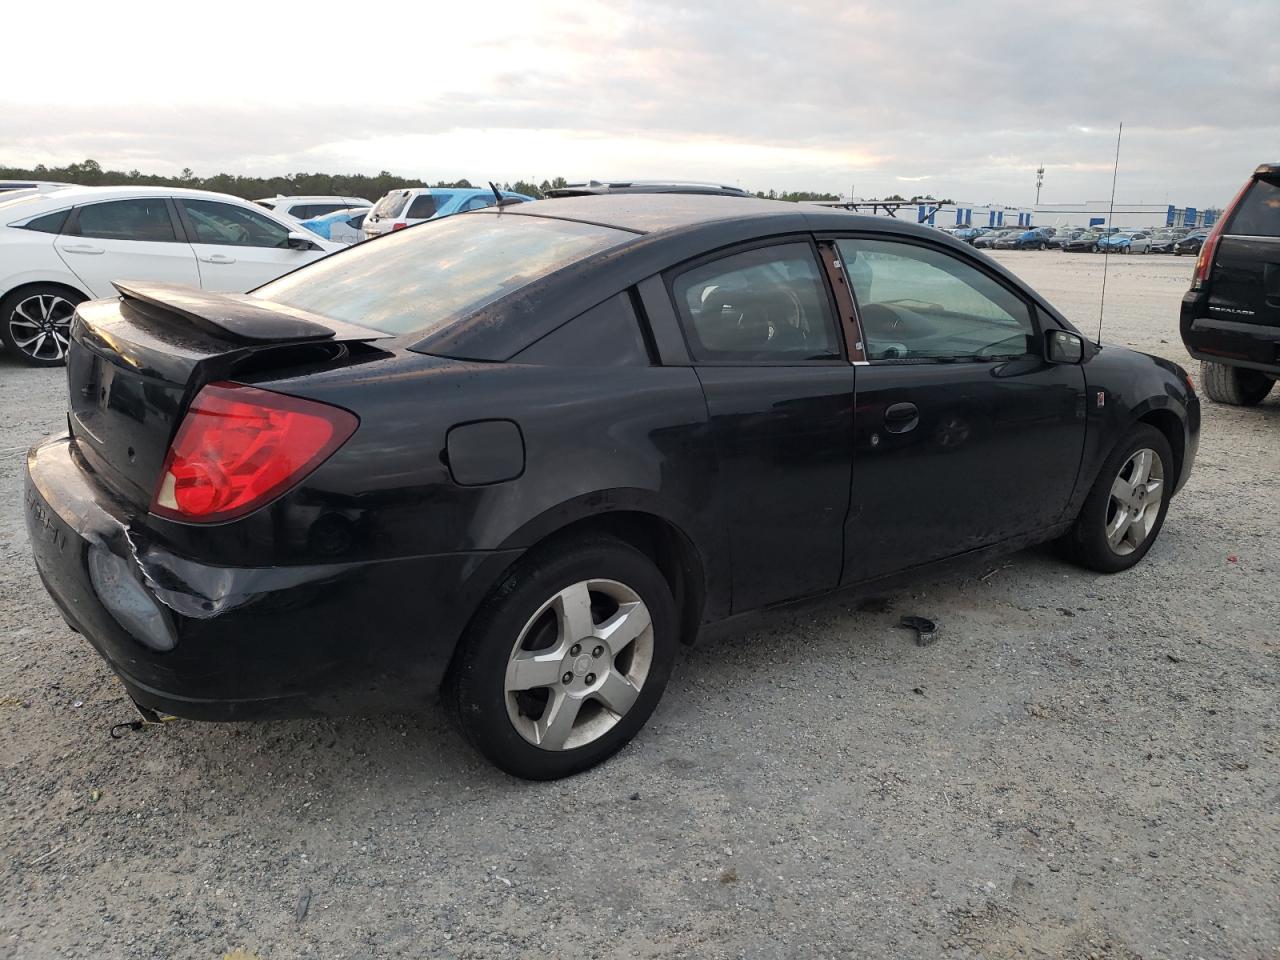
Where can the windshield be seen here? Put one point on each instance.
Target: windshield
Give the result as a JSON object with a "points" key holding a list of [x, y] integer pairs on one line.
{"points": [[425, 278]]}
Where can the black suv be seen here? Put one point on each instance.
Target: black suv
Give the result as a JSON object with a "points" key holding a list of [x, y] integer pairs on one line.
{"points": [[1231, 314]]}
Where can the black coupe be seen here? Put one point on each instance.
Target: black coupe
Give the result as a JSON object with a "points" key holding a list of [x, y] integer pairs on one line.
{"points": [[524, 452]]}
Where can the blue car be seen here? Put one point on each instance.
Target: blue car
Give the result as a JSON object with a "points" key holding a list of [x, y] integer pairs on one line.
{"points": [[1126, 241], [405, 207], [967, 234], [344, 226]]}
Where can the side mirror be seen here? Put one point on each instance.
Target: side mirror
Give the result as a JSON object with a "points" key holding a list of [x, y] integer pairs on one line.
{"points": [[300, 241], [1060, 346]]}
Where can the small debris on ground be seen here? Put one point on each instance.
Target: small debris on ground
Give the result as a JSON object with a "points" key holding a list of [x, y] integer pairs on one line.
{"points": [[926, 630], [303, 905]]}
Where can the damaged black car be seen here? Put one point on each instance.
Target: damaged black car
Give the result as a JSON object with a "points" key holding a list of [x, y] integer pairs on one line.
{"points": [[519, 454]]}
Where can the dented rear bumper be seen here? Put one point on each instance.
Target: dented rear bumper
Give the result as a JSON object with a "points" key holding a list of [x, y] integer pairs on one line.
{"points": [[228, 643]]}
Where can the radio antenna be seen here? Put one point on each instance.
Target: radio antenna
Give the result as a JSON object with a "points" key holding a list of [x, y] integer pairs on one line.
{"points": [[1106, 241]]}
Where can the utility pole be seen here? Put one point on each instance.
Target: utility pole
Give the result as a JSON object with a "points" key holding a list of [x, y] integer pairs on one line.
{"points": [[1039, 182]]}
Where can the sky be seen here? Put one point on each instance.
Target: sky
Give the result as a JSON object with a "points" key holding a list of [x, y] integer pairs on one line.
{"points": [[954, 99]]}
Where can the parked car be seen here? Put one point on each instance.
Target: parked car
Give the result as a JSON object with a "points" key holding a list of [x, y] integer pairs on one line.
{"points": [[1125, 241], [32, 186], [60, 248], [341, 226], [304, 208], [1162, 241], [1037, 238], [1231, 315], [594, 188], [403, 208], [988, 240], [446, 489], [967, 234], [1191, 243]]}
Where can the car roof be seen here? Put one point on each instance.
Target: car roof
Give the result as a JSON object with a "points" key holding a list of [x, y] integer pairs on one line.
{"points": [[69, 196], [603, 187], [667, 229], [311, 198], [658, 213]]}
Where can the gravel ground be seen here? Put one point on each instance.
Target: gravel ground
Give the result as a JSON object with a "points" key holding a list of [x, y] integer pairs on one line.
{"points": [[1081, 765]]}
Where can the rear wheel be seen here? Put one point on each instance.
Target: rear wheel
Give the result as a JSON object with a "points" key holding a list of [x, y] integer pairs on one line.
{"points": [[567, 660], [1234, 385], [1043, 245], [37, 323], [1125, 510]]}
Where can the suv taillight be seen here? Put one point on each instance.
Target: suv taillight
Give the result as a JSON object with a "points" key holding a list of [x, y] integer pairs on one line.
{"points": [[399, 225], [1204, 262], [239, 447]]}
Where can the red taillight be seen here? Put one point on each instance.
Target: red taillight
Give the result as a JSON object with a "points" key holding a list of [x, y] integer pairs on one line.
{"points": [[1204, 262], [239, 447], [398, 226]]}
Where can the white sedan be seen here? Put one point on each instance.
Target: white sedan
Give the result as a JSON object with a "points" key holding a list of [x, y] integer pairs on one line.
{"points": [[61, 248]]}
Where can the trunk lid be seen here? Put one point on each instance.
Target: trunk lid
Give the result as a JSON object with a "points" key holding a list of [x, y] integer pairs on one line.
{"points": [[134, 364]]}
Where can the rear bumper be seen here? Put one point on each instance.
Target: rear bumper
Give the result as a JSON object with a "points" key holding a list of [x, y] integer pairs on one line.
{"points": [[1255, 346], [336, 638]]}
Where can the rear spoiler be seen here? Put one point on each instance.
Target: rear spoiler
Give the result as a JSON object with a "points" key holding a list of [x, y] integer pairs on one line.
{"points": [[239, 316]]}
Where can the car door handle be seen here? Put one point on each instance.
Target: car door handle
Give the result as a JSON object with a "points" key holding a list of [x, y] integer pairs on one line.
{"points": [[901, 417], [82, 248], [218, 258]]}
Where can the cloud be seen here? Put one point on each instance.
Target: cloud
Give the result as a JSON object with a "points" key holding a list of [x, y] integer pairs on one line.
{"points": [[811, 95]]}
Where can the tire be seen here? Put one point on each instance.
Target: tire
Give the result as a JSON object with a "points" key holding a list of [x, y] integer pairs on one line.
{"points": [[520, 638], [1043, 246], [35, 323], [1096, 249], [1234, 385], [1089, 542]]}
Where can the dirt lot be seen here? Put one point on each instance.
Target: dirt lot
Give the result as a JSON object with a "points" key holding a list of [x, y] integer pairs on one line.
{"points": [[1081, 766]]}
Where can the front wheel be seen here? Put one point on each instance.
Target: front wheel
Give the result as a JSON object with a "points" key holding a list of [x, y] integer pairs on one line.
{"points": [[567, 659], [1234, 385], [1125, 509], [36, 321], [1096, 249], [1043, 245]]}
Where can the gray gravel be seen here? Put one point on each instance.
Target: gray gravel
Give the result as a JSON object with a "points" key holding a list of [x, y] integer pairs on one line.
{"points": [[1080, 766]]}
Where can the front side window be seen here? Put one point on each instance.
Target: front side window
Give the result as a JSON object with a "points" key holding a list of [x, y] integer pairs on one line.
{"points": [[127, 220], [426, 278], [227, 225], [918, 303], [763, 305], [423, 207]]}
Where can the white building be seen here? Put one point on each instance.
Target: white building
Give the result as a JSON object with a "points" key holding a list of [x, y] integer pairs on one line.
{"points": [[1088, 213], [1095, 213]]}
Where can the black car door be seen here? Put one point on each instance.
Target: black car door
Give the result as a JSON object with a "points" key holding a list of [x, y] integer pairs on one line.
{"points": [[760, 331], [964, 434]]}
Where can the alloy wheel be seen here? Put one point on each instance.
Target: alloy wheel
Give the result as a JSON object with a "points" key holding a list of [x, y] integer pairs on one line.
{"points": [[1134, 505], [40, 326], [579, 664]]}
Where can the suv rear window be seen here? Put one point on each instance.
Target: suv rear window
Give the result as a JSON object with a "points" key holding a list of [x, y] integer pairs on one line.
{"points": [[391, 205], [1258, 214], [424, 279]]}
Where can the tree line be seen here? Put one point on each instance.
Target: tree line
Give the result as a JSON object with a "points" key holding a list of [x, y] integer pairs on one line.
{"points": [[90, 173]]}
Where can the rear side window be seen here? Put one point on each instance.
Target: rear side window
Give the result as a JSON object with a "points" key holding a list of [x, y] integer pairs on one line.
{"points": [[764, 305], [426, 278], [146, 220], [392, 205], [422, 208], [307, 211], [1258, 214], [49, 223]]}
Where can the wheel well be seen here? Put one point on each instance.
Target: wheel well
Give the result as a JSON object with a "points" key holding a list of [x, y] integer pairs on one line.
{"points": [[78, 294], [663, 543], [1167, 422]]}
